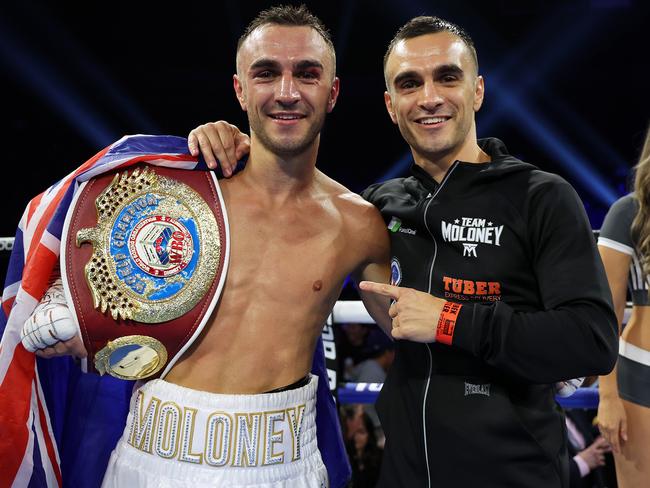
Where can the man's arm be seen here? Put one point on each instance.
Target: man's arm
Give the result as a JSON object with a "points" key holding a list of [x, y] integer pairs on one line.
{"points": [[376, 305], [574, 334], [375, 267]]}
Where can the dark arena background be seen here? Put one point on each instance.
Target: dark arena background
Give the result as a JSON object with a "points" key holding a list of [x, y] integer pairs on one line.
{"points": [[566, 84], [566, 89]]}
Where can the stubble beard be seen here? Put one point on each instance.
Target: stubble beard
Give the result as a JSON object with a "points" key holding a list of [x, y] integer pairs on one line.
{"points": [[434, 149], [283, 147]]}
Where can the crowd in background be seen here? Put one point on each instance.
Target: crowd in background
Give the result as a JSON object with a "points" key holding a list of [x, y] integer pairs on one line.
{"points": [[365, 354]]}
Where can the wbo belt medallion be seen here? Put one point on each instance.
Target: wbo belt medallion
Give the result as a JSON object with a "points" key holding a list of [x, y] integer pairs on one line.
{"points": [[146, 273]]}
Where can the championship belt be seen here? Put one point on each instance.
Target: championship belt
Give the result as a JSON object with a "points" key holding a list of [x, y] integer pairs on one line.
{"points": [[143, 264]]}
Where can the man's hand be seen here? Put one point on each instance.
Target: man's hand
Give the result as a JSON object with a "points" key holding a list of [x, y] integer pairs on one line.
{"points": [[51, 330], [594, 455], [414, 313], [220, 143]]}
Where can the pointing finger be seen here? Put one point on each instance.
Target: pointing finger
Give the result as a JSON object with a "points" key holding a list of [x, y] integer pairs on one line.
{"points": [[381, 289]]}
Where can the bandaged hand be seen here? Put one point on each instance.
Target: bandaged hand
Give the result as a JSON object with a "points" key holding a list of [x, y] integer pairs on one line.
{"points": [[414, 314], [50, 330]]}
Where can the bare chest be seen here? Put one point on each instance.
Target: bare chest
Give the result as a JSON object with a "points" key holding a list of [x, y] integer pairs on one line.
{"points": [[287, 256]]}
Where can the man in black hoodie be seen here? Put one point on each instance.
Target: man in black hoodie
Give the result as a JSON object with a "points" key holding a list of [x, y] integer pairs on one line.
{"points": [[498, 288], [497, 285]]}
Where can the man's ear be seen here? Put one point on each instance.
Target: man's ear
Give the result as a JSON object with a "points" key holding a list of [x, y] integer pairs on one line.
{"points": [[389, 106], [479, 93], [334, 94], [239, 91]]}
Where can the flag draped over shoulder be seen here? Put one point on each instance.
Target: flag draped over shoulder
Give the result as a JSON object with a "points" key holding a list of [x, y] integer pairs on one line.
{"points": [[57, 424]]}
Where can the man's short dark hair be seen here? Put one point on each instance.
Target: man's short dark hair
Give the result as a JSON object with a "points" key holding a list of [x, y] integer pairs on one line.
{"points": [[288, 15], [423, 25]]}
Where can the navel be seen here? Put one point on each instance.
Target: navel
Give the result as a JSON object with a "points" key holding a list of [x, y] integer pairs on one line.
{"points": [[318, 284]]}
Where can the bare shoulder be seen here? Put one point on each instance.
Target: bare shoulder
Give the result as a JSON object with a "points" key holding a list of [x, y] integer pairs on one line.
{"points": [[352, 206], [362, 221]]}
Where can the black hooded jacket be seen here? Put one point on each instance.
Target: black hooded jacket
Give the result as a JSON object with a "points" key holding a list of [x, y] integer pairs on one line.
{"points": [[513, 245]]}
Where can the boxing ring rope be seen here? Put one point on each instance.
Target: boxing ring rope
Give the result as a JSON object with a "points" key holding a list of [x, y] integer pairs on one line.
{"points": [[368, 392], [353, 311], [6, 243]]}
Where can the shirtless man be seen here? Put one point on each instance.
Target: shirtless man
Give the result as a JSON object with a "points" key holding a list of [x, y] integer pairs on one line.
{"points": [[296, 234]]}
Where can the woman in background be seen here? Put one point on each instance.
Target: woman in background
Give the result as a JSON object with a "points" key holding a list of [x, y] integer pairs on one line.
{"points": [[624, 409], [363, 451]]}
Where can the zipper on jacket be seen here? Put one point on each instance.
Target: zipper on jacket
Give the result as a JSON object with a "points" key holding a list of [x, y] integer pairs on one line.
{"points": [[433, 262]]}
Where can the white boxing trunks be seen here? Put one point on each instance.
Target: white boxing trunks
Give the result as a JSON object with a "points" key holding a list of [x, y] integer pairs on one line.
{"points": [[182, 438]]}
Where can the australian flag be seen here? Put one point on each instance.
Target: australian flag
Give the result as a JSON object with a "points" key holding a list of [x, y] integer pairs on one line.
{"points": [[58, 425]]}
